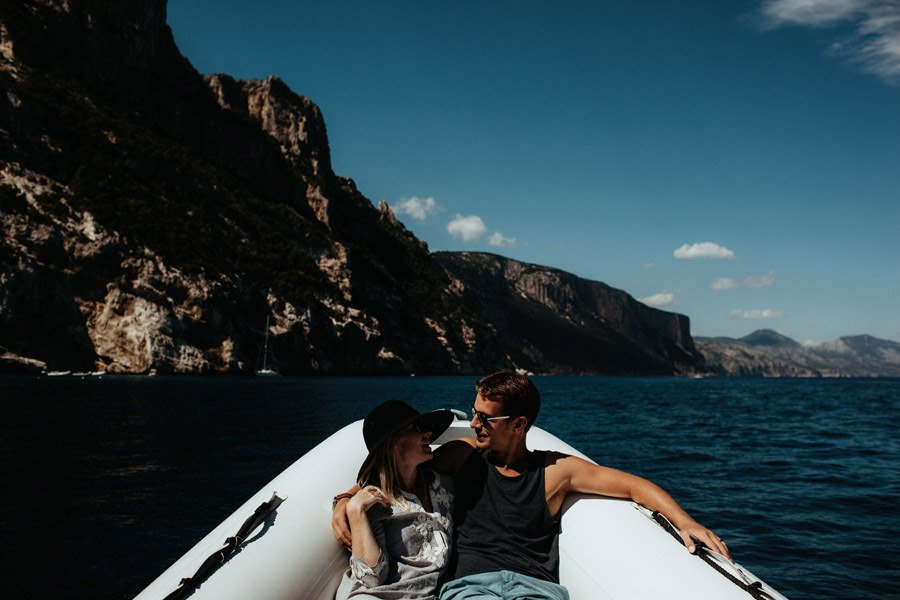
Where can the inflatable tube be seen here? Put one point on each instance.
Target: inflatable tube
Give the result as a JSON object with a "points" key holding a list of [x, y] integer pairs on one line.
{"points": [[609, 549]]}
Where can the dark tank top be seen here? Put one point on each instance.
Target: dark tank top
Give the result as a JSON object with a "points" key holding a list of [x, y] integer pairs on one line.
{"points": [[503, 523]]}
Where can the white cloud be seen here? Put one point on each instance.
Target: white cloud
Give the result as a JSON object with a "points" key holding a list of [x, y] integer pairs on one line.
{"points": [[812, 13], [723, 283], [419, 209], [468, 229], [757, 314], [760, 280], [703, 250], [650, 265], [660, 299], [499, 241], [753, 281], [874, 44]]}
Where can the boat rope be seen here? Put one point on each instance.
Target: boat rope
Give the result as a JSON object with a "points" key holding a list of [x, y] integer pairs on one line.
{"points": [[187, 585], [708, 556]]}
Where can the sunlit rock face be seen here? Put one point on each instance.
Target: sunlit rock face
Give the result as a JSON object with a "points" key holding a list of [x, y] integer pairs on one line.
{"points": [[157, 219], [550, 320], [767, 353]]}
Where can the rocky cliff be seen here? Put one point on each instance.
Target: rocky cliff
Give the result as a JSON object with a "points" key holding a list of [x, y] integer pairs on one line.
{"points": [[770, 354], [154, 218], [550, 320]]}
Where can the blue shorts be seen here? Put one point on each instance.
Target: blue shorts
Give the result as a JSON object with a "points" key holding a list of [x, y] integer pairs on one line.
{"points": [[505, 585]]}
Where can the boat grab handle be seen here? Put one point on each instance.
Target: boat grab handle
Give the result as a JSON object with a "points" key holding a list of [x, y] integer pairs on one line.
{"points": [[708, 556], [262, 512]]}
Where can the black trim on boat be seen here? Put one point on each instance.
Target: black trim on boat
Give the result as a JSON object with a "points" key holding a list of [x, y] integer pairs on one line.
{"points": [[754, 589], [187, 585]]}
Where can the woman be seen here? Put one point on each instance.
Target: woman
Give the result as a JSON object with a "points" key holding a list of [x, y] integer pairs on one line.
{"points": [[400, 517]]}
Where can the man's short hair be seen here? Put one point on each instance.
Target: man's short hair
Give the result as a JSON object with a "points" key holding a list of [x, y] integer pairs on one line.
{"points": [[515, 392]]}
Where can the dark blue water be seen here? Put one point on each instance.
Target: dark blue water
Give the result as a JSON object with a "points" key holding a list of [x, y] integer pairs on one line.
{"points": [[104, 483]]}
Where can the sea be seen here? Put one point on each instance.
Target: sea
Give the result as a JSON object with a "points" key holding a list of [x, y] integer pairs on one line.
{"points": [[105, 481]]}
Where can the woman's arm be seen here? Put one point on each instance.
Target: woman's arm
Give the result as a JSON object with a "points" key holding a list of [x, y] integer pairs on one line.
{"points": [[364, 544], [448, 459]]}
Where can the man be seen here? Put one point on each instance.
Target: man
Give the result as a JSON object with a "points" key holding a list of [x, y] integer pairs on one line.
{"points": [[508, 499]]}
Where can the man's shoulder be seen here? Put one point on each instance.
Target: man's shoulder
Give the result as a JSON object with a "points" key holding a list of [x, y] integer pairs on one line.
{"points": [[562, 465], [451, 456], [553, 459]]}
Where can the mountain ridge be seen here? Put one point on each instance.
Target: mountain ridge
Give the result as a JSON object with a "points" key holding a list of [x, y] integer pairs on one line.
{"points": [[154, 218], [767, 353]]}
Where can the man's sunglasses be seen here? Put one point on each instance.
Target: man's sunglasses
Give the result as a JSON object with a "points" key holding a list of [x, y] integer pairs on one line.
{"points": [[486, 418]]}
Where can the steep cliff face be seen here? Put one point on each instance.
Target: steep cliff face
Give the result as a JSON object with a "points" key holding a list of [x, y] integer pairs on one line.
{"points": [[153, 218], [156, 219], [552, 321]]}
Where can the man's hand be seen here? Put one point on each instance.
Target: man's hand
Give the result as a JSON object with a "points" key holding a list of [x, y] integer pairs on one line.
{"points": [[339, 523], [694, 531]]}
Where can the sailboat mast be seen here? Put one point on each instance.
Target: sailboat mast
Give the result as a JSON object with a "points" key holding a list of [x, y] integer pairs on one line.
{"points": [[266, 347]]}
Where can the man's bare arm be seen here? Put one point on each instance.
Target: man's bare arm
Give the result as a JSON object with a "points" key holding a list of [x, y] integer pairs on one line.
{"points": [[578, 475], [340, 524]]}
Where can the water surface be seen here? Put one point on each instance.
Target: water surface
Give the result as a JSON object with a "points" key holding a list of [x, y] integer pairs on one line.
{"points": [[105, 482]]}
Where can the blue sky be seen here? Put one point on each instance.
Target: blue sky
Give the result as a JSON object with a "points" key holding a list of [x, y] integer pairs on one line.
{"points": [[737, 162]]}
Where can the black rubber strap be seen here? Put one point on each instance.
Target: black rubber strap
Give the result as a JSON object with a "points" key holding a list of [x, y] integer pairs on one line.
{"points": [[187, 585], [754, 589]]}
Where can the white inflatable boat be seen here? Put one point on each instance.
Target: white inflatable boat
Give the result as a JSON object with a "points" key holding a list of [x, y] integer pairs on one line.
{"points": [[609, 549]]}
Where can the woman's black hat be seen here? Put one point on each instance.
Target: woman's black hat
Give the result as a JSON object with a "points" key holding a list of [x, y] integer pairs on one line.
{"points": [[389, 417]]}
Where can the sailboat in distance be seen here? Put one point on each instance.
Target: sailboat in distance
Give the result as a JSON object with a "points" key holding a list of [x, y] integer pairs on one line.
{"points": [[266, 371]]}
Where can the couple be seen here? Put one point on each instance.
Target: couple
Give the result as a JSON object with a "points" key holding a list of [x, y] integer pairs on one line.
{"points": [[505, 502]]}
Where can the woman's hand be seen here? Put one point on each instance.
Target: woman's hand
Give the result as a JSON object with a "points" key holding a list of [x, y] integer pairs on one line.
{"points": [[365, 499]]}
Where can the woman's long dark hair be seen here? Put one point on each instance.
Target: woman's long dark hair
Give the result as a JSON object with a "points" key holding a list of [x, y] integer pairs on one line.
{"points": [[382, 473]]}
